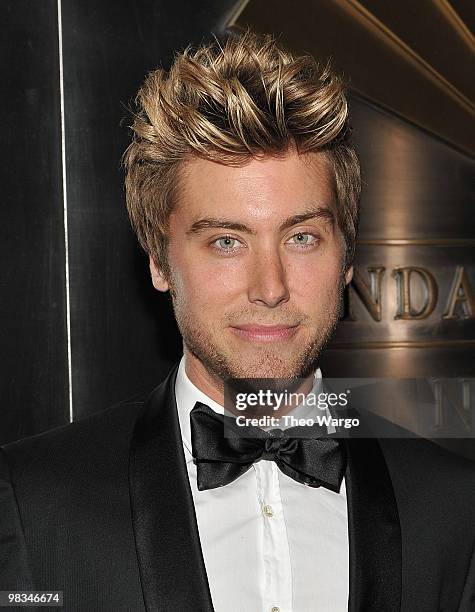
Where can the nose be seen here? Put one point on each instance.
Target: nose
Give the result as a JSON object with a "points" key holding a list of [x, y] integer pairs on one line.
{"points": [[268, 283]]}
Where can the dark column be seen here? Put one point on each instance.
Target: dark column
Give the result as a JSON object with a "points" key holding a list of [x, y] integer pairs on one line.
{"points": [[34, 378]]}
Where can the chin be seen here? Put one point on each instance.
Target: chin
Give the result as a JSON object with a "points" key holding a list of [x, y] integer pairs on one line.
{"points": [[271, 366], [231, 359]]}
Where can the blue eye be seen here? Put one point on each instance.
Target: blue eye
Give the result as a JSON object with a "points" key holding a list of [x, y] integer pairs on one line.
{"points": [[226, 243], [304, 239]]}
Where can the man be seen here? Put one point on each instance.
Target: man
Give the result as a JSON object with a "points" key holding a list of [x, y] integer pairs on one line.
{"points": [[243, 190]]}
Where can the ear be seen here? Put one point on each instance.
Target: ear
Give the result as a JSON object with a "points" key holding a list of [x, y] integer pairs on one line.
{"points": [[158, 280], [348, 275]]}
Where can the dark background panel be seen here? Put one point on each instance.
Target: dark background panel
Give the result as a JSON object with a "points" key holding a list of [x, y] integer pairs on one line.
{"points": [[465, 9], [123, 333], [34, 381], [419, 24]]}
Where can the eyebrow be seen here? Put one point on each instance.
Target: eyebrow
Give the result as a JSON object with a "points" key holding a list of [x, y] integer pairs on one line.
{"points": [[320, 212]]}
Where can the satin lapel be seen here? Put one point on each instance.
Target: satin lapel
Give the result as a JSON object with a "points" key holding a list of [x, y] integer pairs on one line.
{"points": [[169, 553], [374, 529]]}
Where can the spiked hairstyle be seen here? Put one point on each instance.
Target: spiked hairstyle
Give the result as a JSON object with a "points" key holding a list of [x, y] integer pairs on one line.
{"points": [[245, 97]]}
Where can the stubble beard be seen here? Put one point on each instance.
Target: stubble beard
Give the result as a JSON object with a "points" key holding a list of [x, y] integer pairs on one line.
{"points": [[268, 360]]}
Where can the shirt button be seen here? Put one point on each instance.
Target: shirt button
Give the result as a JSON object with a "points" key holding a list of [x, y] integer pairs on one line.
{"points": [[268, 511], [275, 609]]}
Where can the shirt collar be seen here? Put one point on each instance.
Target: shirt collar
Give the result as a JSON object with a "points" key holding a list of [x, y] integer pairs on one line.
{"points": [[187, 394]]}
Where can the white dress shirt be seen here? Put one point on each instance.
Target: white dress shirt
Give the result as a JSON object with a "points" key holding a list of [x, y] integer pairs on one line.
{"points": [[270, 544]]}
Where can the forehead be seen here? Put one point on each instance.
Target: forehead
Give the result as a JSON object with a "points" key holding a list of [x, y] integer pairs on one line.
{"points": [[265, 189]]}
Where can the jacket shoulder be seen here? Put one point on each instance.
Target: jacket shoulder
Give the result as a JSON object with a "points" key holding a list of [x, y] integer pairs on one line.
{"points": [[94, 440], [433, 486], [419, 458]]}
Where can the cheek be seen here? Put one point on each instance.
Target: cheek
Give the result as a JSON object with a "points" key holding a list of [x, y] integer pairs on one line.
{"points": [[315, 283], [205, 288]]}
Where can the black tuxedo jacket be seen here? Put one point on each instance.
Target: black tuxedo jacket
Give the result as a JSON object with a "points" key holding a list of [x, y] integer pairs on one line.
{"points": [[102, 510]]}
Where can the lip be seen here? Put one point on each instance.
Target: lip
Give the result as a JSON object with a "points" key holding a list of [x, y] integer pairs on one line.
{"points": [[265, 333]]}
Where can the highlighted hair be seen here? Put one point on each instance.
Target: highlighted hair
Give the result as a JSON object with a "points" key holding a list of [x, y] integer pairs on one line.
{"points": [[245, 98]]}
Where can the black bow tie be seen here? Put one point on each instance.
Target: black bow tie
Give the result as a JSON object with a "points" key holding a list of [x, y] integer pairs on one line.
{"points": [[315, 461]]}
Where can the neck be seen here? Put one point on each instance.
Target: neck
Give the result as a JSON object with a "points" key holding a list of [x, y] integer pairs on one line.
{"points": [[213, 386], [209, 384]]}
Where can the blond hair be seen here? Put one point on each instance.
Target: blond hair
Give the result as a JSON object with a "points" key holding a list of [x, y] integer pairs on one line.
{"points": [[231, 102]]}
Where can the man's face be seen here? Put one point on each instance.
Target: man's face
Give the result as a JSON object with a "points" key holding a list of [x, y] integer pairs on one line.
{"points": [[255, 266]]}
